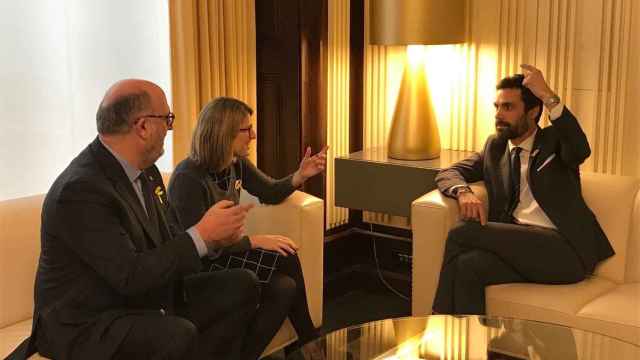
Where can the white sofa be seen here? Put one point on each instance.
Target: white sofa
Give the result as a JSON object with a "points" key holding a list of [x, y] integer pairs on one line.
{"points": [[300, 217], [608, 302]]}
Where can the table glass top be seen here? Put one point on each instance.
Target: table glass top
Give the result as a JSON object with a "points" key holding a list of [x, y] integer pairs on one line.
{"points": [[468, 337]]}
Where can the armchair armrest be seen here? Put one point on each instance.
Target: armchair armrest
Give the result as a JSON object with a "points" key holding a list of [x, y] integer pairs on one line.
{"points": [[432, 215], [301, 218]]}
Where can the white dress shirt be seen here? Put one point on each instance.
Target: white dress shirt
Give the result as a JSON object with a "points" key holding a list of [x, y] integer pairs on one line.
{"points": [[528, 211]]}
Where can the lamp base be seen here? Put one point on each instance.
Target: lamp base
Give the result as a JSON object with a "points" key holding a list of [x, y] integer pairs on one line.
{"points": [[414, 130]]}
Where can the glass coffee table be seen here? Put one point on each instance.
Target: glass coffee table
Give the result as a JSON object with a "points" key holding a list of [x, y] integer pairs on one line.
{"points": [[465, 338]]}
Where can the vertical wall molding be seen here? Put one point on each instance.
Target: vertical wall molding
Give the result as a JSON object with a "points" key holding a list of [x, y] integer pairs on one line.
{"points": [[338, 73], [546, 41], [613, 67]]}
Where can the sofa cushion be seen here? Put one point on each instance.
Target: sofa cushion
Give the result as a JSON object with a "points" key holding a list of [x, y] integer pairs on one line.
{"points": [[11, 336], [616, 312], [541, 302], [19, 251]]}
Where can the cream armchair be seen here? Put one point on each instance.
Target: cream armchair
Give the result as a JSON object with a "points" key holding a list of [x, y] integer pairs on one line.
{"points": [[299, 217], [608, 302]]}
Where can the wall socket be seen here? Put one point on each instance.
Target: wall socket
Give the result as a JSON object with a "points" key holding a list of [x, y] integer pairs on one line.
{"points": [[403, 258]]}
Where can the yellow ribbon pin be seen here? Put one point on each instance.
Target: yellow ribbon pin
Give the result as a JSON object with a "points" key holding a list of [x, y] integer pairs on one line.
{"points": [[159, 193]]}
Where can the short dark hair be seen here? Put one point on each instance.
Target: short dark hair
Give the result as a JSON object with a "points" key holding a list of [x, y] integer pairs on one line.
{"points": [[115, 118], [530, 100]]}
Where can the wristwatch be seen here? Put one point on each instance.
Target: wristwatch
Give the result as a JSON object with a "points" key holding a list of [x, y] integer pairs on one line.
{"points": [[461, 190], [551, 101]]}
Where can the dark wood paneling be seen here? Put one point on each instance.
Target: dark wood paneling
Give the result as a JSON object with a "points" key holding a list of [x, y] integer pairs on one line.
{"points": [[291, 70], [313, 59], [356, 86], [356, 67], [278, 86]]}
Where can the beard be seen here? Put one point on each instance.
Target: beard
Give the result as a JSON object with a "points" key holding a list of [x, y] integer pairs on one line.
{"points": [[507, 131]]}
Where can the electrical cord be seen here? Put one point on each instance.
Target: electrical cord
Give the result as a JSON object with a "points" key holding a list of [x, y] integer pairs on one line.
{"points": [[375, 257]]}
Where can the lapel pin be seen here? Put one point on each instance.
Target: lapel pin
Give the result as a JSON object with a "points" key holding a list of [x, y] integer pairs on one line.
{"points": [[159, 193], [238, 185]]}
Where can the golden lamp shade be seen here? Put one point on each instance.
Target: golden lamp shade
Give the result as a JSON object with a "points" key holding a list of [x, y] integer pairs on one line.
{"points": [[417, 22], [414, 130]]}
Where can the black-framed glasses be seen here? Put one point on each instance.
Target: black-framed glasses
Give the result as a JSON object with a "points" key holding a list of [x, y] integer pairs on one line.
{"points": [[247, 129], [169, 118]]}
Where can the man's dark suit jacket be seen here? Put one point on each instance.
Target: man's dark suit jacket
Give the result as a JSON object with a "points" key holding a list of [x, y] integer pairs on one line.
{"points": [[102, 259], [555, 186]]}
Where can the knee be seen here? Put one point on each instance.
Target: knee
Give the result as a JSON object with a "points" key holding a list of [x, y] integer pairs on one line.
{"points": [[289, 261], [463, 230], [246, 283], [182, 338], [283, 285], [470, 264]]}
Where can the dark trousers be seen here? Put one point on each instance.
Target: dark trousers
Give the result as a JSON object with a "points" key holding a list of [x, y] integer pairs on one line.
{"points": [[212, 324], [283, 296], [477, 256]]}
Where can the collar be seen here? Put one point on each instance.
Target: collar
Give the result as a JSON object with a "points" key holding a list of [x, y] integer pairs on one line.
{"points": [[131, 171], [527, 144]]}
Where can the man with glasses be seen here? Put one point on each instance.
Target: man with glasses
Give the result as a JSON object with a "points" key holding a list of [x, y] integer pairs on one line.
{"points": [[115, 278]]}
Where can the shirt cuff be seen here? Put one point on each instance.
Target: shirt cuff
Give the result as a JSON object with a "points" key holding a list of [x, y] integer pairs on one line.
{"points": [[556, 111], [197, 241]]}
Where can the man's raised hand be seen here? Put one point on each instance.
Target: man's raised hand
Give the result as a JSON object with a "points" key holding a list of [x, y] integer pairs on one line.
{"points": [[534, 80], [222, 224]]}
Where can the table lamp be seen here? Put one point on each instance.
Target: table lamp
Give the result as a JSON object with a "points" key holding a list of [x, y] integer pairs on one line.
{"points": [[414, 130]]}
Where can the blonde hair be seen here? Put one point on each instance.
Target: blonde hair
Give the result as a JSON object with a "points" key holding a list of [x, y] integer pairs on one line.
{"points": [[218, 125]]}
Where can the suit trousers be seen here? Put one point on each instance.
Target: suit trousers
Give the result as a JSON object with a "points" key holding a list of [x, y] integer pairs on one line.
{"points": [[477, 256], [211, 324]]}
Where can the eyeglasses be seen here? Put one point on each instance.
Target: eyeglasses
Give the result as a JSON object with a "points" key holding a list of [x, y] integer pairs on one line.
{"points": [[247, 129], [169, 118]]}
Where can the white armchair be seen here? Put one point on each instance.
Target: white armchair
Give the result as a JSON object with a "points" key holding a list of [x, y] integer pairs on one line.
{"points": [[607, 302], [301, 218]]}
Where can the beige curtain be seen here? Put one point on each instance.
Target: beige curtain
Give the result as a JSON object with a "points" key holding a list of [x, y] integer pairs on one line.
{"points": [[213, 53]]}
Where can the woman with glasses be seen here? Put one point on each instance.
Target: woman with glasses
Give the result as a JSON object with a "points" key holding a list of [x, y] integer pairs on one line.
{"points": [[216, 169]]}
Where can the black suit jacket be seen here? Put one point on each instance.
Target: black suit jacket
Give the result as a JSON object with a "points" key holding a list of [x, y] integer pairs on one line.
{"points": [[554, 179], [102, 259]]}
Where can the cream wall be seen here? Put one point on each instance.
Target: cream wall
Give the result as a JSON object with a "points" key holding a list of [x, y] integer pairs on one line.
{"points": [[632, 130], [57, 59]]}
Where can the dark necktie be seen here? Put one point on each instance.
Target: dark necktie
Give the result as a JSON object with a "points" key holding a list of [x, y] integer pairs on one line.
{"points": [[515, 179], [147, 194]]}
